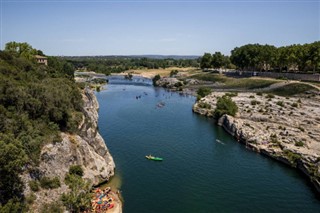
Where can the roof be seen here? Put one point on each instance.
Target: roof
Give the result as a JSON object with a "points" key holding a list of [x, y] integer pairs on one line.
{"points": [[40, 57]]}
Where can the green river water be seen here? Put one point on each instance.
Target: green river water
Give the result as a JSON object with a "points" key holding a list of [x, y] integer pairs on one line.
{"points": [[198, 174]]}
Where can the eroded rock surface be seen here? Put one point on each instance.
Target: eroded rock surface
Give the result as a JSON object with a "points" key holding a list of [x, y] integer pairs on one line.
{"points": [[87, 149]]}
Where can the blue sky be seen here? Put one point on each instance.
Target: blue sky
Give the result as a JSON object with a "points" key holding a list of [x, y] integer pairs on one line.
{"points": [[156, 27]]}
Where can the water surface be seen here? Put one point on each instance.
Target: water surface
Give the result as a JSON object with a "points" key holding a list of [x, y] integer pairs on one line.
{"points": [[198, 173]]}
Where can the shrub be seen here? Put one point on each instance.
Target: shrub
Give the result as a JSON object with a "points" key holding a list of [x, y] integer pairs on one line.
{"points": [[178, 84], [294, 105], [203, 91], [292, 157], [31, 198], [270, 96], [173, 73], [76, 170], [259, 93], [280, 103], [34, 186], [79, 197], [251, 96], [225, 105], [299, 143], [231, 94], [255, 102], [54, 207], [49, 183], [204, 105], [155, 79]]}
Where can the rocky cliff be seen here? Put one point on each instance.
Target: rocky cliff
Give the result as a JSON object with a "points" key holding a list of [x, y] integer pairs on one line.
{"points": [[286, 129], [87, 148]]}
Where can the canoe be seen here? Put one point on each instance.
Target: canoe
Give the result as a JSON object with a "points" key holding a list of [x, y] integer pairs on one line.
{"points": [[150, 157]]}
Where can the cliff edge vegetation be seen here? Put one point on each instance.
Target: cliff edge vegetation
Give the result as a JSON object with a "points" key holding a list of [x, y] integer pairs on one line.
{"points": [[49, 140]]}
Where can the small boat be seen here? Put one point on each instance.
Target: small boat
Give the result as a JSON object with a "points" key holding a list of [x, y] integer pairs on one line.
{"points": [[150, 157]]}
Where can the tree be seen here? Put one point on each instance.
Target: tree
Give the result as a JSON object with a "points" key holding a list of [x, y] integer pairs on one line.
{"points": [[205, 62], [313, 55], [155, 79], [21, 49], [12, 159], [217, 60], [225, 105], [79, 197], [203, 91]]}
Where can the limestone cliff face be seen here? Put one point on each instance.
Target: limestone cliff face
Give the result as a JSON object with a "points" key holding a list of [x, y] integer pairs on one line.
{"points": [[275, 131], [87, 149]]}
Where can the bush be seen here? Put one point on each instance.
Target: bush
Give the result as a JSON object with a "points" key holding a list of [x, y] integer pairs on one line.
{"points": [[292, 157], [299, 143], [173, 73], [178, 84], [259, 93], [34, 186], [294, 105], [155, 79], [54, 207], [76, 170], [204, 105], [49, 183], [270, 96], [225, 105], [203, 91], [79, 197], [280, 103], [31, 198], [231, 94], [255, 102]]}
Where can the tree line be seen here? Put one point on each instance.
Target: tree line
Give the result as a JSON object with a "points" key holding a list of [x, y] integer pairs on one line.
{"points": [[257, 57], [114, 64]]}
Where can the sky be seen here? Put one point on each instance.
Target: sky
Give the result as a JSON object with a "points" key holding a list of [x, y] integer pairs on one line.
{"points": [[133, 27]]}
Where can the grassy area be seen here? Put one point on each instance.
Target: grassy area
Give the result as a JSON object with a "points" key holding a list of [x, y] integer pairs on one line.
{"points": [[210, 77], [292, 89], [248, 83]]}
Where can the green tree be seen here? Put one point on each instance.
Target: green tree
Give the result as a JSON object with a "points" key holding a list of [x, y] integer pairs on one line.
{"points": [[225, 105], [12, 159], [217, 60], [313, 55], [205, 62], [155, 79], [203, 91], [79, 197], [21, 49]]}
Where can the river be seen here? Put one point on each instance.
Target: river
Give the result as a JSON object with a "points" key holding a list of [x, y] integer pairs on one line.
{"points": [[204, 168]]}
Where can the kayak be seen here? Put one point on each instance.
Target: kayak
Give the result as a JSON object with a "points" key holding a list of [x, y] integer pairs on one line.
{"points": [[150, 157]]}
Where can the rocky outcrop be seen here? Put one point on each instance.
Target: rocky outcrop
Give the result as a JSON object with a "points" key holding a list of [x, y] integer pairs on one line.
{"points": [[87, 148], [169, 82], [285, 129]]}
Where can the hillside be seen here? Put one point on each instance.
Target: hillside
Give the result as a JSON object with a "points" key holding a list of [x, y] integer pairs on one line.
{"points": [[49, 138]]}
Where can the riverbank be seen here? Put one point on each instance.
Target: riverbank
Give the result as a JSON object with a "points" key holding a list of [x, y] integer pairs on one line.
{"points": [[285, 129]]}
